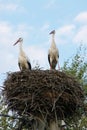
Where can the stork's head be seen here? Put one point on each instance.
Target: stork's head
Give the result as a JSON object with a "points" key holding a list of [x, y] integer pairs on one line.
{"points": [[18, 41], [52, 32]]}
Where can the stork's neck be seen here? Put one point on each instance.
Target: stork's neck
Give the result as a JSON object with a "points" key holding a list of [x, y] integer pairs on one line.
{"points": [[53, 38], [20, 47], [53, 41]]}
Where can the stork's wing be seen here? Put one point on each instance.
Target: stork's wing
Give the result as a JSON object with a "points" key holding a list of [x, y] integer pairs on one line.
{"points": [[49, 57], [58, 53], [29, 64], [19, 65]]}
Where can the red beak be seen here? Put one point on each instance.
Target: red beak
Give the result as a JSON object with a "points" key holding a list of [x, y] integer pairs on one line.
{"points": [[15, 43]]}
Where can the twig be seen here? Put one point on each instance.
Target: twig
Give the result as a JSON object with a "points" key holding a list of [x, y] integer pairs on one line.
{"points": [[14, 117]]}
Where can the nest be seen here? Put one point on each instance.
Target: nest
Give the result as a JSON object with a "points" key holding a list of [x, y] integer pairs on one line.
{"points": [[43, 93]]}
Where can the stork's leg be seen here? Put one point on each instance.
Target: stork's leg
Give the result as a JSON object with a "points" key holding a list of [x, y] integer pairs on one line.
{"points": [[50, 67]]}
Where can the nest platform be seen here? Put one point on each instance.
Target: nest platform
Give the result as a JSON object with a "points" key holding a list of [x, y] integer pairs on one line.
{"points": [[42, 93]]}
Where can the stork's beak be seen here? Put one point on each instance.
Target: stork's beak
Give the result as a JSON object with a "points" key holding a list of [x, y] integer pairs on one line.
{"points": [[52, 32], [15, 42]]}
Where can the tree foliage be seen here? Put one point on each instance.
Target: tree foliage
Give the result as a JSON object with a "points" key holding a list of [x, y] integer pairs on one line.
{"points": [[77, 66], [8, 120]]}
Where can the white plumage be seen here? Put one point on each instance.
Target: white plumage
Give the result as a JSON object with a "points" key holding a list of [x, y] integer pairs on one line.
{"points": [[53, 53], [23, 60]]}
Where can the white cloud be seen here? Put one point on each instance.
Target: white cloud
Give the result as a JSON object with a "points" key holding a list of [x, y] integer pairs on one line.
{"points": [[81, 35], [8, 61], [82, 17], [11, 7], [66, 30], [50, 4], [75, 32], [9, 32], [8, 7], [65, 33], [38, 54], [5, 32], [81, 28], [4, 27], [45, 27]]}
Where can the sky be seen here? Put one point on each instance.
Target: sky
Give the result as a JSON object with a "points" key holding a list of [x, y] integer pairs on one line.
{"points": [[33, 20]]}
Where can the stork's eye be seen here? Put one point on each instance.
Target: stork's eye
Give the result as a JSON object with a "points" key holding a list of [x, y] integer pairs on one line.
{"points": [[20, 39]]}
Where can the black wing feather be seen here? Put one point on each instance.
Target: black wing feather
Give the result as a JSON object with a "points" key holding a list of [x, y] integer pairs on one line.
{"points": [[58, 55], [29, 65], [49, 58], [19, 65]]}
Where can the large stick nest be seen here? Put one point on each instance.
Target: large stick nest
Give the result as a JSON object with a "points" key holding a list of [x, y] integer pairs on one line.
{"points": [[42, 93]]}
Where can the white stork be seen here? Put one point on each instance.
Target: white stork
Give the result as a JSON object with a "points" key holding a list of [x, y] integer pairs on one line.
{"points": [[23, 60], [53, 53]]}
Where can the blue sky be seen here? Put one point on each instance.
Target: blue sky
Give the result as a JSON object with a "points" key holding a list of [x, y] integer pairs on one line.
{"points": [[33, 20]]}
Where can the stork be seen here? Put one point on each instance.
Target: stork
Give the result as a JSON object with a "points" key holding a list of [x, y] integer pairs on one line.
{"points": [[23, 61], [53, 53]]}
